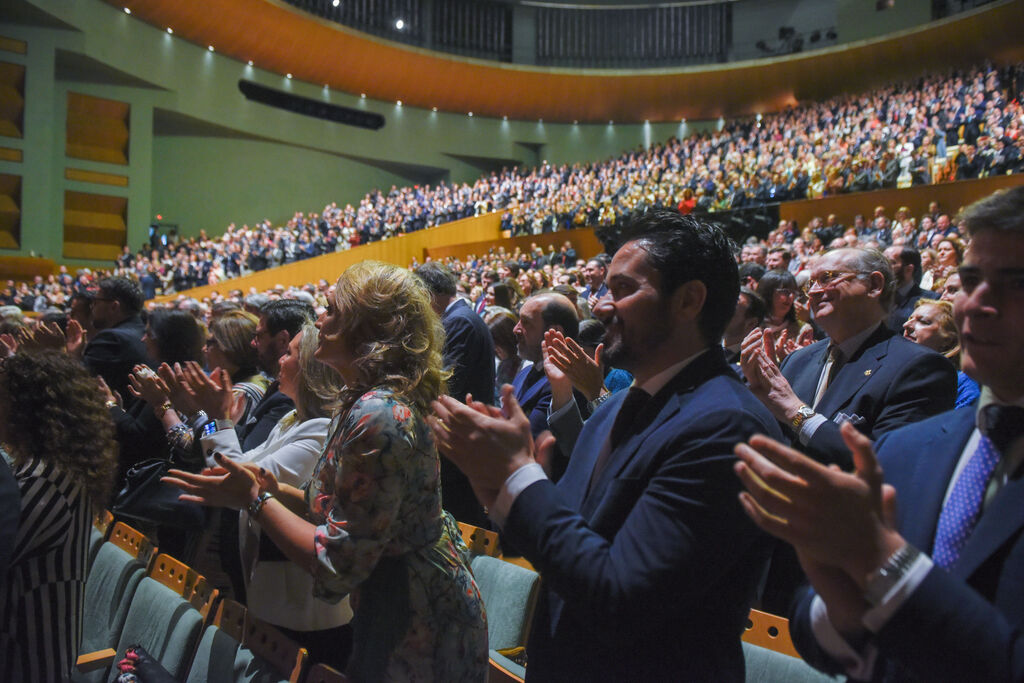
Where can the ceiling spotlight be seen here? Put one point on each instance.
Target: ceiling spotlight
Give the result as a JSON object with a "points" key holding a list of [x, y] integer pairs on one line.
{"points": [[362, 96], [288, 76], [471, 114], [326, 87], [575, 122], [399, 24], [399, 103], [250, 62], [434, 109], [127, 11], [336, 2], [170, 30], [504, 118], [210, 48]]}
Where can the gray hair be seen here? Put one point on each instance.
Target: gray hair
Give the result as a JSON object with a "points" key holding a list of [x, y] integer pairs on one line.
{"points": [[866, 261]]}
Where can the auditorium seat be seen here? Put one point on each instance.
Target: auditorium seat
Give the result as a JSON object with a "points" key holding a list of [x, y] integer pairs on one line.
{"points": [[510, 595], [119, 566], [769, 654], [165, 617], [238, 648], [100, 528], [480, 541]]}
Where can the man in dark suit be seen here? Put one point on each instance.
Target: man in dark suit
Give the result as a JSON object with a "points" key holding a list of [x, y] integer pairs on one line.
{"points": [[935, 591], [906, 269], [648, 565], [541, 312], [469, 355], [862, 373], [117, 346], [594, 274]]}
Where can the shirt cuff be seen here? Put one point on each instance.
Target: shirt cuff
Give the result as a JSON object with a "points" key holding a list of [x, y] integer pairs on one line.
{"points": [[553, 415], [810, 426], [510, 490], [858, 665], [879, 615]]}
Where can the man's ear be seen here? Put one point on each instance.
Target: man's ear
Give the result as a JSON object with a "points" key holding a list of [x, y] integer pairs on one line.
{"points": [[688, 300], [877, 284], [282, 339]]}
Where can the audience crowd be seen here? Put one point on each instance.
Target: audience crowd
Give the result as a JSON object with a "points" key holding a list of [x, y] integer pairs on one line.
{"points": [[936, 129]]}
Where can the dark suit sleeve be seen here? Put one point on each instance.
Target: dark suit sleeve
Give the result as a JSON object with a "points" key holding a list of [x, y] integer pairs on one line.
{"points": [[925, 386], [107, 357], [945, 631], [681, 534]]}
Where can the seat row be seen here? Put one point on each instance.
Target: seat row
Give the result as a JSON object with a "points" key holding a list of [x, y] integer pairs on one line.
{"points": [[138, 597], [510, 597]]}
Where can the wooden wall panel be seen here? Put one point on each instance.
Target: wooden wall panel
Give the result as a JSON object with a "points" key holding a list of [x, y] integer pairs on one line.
{"points": [[94, 225], [10, 211], [12, 99], [97, 129]]}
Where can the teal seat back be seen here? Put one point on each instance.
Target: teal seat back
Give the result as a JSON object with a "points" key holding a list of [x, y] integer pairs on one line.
{"points": [[221, 658], [113, 579], [163, 623], [509, 593], [95, 541], [768, 666]]}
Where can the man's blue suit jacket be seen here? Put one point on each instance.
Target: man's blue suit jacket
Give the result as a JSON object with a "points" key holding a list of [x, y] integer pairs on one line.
{"points": [[890, 382], [649, 572], [533, 392], [469, 353], [966, 624]]}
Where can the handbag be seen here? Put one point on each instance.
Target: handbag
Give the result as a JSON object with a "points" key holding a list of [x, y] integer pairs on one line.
{"points": [[147, 499]]}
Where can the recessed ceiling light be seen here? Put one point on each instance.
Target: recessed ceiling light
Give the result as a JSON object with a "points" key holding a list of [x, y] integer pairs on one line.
{"points": [[362, 96], [575, 122], [170, 30], [127, 11], [434, 109], [399, 103], [470, 113], [288, 76], [250, 62], [504, 118], [336, 3], [326, 87], [399, 24], [210, 48]]}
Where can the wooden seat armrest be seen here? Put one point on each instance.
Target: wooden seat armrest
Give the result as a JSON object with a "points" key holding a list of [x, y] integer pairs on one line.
{"points": [[94, 661]]}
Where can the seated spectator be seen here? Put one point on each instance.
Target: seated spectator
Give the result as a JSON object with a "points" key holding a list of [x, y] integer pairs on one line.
{"points": [[932, 325], [63, 453]]}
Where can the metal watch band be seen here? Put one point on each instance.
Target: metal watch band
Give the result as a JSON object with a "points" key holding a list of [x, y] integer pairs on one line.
{"points": [[889, 574]]}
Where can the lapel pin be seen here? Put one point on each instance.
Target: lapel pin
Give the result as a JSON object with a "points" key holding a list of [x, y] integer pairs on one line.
{"points": [[867, 373]]}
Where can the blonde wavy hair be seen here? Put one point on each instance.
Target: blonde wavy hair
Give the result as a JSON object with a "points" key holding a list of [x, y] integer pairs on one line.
{"points": [[396, 337]]}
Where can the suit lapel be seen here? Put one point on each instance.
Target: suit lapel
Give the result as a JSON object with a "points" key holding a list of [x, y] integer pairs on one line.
{"points": [[934, 466], [807, 373], [855, 373], [659, 410], [577, 475]]}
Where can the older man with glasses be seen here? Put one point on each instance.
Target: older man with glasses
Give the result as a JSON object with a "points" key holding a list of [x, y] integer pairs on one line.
{"points": [[863, 373]]}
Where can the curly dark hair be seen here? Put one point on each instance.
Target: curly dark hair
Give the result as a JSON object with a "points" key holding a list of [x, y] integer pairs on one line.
{"points": [[55, 413]]}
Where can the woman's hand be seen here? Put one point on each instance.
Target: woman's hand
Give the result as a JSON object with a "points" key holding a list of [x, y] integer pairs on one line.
{"points": [[213, 396], [177, 388], [109, 395], [147, 385], [231, 485]]}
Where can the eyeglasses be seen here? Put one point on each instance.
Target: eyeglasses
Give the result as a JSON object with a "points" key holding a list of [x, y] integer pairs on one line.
{"points": [[828, 279]]}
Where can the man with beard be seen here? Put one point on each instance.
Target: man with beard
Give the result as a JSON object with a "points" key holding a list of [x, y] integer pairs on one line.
{"points": [[645, 524]]}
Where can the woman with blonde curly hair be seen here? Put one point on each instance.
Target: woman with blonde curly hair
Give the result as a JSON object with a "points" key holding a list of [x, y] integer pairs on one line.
{"points": [[932, 325], [60, 441], [369, 522]]}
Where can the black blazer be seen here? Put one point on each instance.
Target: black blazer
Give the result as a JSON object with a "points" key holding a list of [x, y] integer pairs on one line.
{"points": [[113, 352], [903, 306], [649, 570], [890, 382]]}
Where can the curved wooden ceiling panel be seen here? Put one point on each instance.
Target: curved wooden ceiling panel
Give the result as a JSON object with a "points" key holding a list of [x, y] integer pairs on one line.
{"points": [[280, 38]]}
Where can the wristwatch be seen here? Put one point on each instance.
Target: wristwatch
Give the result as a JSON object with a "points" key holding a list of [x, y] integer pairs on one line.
{"points": [[803, 413], [256, 506], [889, 574]]}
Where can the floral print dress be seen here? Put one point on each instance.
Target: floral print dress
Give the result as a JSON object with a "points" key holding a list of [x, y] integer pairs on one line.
{"points": [[382, 536]]}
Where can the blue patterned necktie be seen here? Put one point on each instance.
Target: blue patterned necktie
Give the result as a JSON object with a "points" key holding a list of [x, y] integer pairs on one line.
{"points": [[960, 513]]}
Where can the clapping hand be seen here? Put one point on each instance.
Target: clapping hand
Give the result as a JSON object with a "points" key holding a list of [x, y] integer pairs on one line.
{"points": [[230, 485], [487, 443], [842, 524], [147, 385], [570, 358]]}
